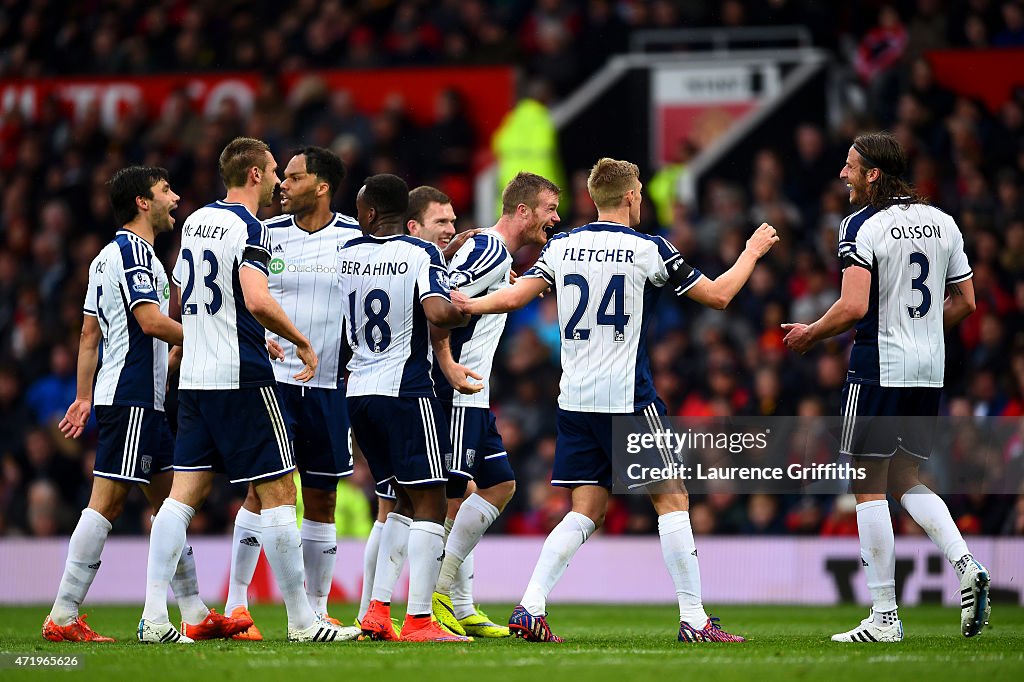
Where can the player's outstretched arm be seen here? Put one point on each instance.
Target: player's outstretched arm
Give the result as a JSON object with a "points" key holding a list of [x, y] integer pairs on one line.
{"points": [[269, 313], [959, 304], [504, 300], [719, 292], [73, 423], [844, 313], [154, 323]]}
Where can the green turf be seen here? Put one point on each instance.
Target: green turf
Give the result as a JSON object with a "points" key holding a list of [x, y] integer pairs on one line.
{"points": [[603, 643]]}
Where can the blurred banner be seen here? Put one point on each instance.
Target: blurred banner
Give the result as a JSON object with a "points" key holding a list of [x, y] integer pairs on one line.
{"points": [[989, 75], [734, 570], [488, 92], [697, 103]]}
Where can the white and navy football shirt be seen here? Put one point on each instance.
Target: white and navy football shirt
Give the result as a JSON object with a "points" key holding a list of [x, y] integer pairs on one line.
{"points": [[481, 266], [383, 281], [304, 280], [133, 369], [608, 278], [225, 347], [913, 252]]}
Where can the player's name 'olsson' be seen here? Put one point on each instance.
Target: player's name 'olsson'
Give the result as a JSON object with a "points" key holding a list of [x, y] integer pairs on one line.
{"points": [[204, 231], [599, 255], [916, 232], [381, 269]]}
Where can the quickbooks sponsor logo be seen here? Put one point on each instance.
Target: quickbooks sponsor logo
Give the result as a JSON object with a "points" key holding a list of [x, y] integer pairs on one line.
{"points": [[276, 266]]}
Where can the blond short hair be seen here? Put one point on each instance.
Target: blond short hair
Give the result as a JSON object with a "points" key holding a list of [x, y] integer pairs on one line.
{"points": [[610, 180], [241, 154]]}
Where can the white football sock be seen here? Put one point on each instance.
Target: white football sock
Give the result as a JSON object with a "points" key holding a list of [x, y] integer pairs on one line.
{"points": [[394, 544], [426, 547], [369, 566], [474, 518], [247, 541], [559, 548], [932, 514], [166, 542], [462, 589], [185, 585], [878, 554], [283, 546], [680, 553], [319, 551], [83, 562]]}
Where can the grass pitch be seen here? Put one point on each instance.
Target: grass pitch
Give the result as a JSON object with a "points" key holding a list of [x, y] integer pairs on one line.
{"points": [[603, 643]]}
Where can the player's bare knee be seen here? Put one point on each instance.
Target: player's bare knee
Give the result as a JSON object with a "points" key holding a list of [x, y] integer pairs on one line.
{"points": [[318, 505], [279, 491], [384, 507], [252, 500], [108, 497], [499, 494], [454, 504]]}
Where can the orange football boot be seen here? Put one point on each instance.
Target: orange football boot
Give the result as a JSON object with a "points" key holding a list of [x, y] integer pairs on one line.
{"points": [[216, 626], [252, 633], [76, 631], [425, 629], [376, 624]]}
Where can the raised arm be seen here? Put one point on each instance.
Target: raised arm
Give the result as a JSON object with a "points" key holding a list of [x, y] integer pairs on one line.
{"points": [[74, 421], [718, 293]]}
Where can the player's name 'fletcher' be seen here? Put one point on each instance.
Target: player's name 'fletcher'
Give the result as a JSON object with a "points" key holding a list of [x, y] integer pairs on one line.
{"points": [[599, 255], [916, 232], [381, 269]]}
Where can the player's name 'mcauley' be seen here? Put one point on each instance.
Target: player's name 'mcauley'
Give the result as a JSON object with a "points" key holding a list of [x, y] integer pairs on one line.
{"points": [[916, 232], [204, 231], [379, 269], [598, 255]]}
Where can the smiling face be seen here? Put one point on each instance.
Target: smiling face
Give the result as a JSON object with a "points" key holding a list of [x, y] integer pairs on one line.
{"points": [[163, 202], [542, 218], [438, 224], [857, 178], [300, 189]]}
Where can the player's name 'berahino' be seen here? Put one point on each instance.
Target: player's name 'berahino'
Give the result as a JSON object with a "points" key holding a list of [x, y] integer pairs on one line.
{"points": [[916, 232], [598, 255], [381, 269], [204, 231]]}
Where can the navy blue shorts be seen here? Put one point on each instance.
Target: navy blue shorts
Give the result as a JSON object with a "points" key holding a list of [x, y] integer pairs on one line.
{"points": [[134, 443], [478, 453], [238, 431], [875, 423], [583, 449], [385, 490], [318, 421], [404, 440]]}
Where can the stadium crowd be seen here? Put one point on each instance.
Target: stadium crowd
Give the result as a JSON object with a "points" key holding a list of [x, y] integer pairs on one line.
{"points": [[55, 217]]}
